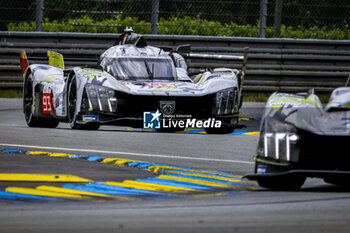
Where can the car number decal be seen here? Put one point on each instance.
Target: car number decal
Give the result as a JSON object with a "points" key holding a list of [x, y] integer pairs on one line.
{"points": [[47, 106]]}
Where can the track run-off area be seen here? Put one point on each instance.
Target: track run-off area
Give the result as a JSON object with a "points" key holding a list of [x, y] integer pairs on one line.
{"points": [[132, 180]]}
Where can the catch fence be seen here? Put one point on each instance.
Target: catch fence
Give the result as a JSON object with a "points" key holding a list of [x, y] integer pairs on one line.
{"points": [[322, 19]]}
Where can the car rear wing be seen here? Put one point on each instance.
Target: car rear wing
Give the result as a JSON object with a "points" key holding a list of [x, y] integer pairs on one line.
{"points": [[129, 37], [55, 59], [185, 51]]}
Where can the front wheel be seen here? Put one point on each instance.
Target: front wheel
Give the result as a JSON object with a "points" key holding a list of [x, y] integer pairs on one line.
{"points": [[72, 115], [31, 120]]}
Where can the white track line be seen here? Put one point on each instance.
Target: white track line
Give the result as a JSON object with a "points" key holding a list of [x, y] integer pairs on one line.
{"points": [[126, 153]]}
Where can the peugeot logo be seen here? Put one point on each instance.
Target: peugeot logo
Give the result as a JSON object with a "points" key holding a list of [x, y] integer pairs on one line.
{"points": [[167, 107]]}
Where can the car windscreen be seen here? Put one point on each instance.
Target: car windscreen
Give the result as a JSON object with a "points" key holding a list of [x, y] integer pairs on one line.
{"points": [[142, 68]]}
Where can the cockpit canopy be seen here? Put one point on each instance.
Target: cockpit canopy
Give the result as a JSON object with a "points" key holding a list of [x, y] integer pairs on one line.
{"points": [[132, 68], [128, 62]]}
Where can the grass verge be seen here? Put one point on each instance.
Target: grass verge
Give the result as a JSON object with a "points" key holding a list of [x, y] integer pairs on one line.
{"points": [[10, 93]]}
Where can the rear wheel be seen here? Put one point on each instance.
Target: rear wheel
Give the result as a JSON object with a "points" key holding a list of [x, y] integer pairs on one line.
{"points": [[31, 120], [72, 116]]}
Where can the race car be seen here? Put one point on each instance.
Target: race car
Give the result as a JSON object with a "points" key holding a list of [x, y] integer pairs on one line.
{"points": [[299, 138], [130, 80]]}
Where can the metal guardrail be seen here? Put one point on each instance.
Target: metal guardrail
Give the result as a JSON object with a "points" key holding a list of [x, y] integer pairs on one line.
{"points": [[273, 64]]}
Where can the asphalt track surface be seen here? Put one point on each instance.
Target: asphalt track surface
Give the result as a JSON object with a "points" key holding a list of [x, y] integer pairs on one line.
{"points": [[318, 207]]}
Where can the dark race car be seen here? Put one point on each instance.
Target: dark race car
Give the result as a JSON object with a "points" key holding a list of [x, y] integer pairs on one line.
{"points": [[132, 82], [300, 138]]}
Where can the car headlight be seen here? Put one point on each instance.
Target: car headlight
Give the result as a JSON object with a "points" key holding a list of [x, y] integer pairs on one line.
{"points": [[101, 98], [281, 146], [279, 140], [226, 101]]}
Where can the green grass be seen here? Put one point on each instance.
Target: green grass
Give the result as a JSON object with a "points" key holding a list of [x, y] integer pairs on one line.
{"points": [[324, 98], [10, 93], [255, 97]]}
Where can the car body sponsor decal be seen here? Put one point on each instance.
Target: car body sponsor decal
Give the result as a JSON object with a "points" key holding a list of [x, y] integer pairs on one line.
{"points": [[90, 118], [261, 170]]}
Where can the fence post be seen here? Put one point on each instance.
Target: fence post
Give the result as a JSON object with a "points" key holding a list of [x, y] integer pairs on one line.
{"points": [[154, 16], [39, 15], [263, 15], [278, 19]]}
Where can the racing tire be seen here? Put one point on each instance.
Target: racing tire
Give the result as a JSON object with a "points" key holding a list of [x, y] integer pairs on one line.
{"points": [[71, 103], [31, 120], [290, 183], [223, 130]]}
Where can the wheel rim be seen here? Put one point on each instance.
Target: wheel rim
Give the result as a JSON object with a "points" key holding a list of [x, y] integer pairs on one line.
{"points": [[28, 98], [72, 99]]}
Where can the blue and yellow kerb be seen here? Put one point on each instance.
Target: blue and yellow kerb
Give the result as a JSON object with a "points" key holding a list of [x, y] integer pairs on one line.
{"points": [[171, 181]]}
